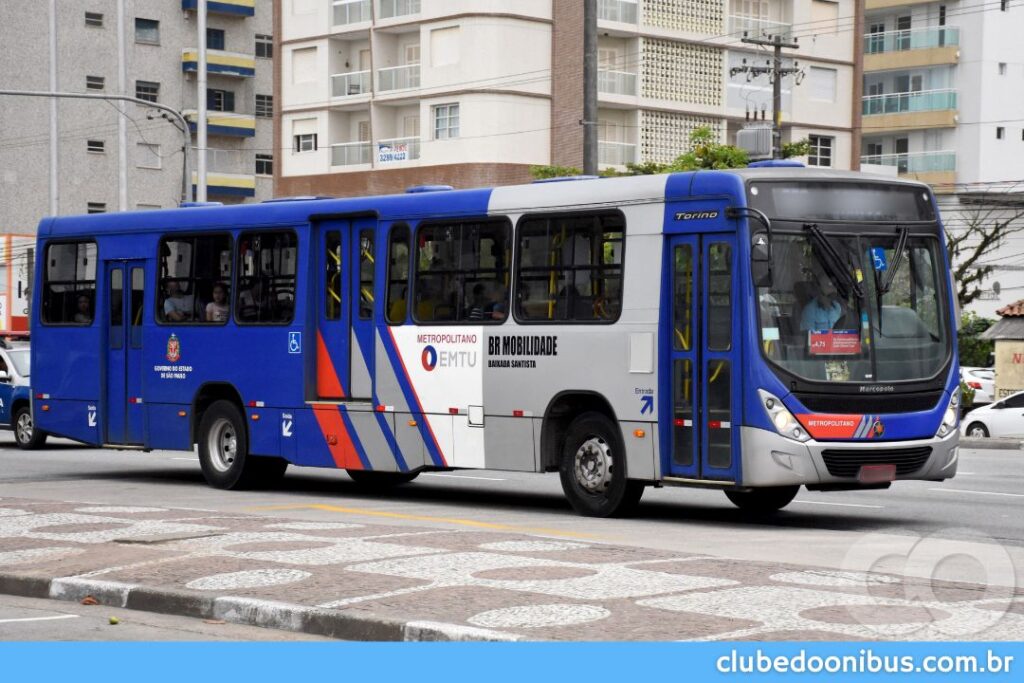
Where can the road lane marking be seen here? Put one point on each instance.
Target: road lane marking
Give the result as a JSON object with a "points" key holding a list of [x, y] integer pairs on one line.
{"points": [[843, 505], [62, 616], [459, 476], [426, 518], [980, 493]]}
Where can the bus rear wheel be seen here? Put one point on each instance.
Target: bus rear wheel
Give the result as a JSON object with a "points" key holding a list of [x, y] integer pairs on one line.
{"points": [[770, 499], [380, 480], [224, 451], [593, 469]]}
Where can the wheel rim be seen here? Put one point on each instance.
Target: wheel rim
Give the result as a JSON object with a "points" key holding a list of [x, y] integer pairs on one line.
{"points": [[593, 465], [977, 432], [24, 428], [222, 444]]}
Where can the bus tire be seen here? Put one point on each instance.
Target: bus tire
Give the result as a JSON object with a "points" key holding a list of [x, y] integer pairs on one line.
{"points": [[26, 435], [380, 480], [593, 469], [766, 500], [224, 451]]}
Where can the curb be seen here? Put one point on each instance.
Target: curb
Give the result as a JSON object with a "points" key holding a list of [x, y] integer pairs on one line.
{"points": [[991, 444], [282, 616]]}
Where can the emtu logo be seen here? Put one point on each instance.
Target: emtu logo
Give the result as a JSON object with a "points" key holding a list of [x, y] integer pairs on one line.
{"points": [[429, 358]]}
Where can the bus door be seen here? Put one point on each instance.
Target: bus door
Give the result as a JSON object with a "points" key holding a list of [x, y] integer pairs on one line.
{"points": [[333, 310], [126, 281], [700, 342], [364, 261]]}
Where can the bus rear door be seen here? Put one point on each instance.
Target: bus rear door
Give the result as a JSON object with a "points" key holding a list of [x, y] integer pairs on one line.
{"points": [[124, 412], [702, 370]]}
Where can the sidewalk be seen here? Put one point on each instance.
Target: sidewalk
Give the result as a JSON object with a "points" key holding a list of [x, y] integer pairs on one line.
{"points": [[363, 580]]}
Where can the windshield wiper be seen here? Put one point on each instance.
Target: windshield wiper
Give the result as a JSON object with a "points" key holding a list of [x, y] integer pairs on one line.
{"points": [[897, 260], [833, 263]]}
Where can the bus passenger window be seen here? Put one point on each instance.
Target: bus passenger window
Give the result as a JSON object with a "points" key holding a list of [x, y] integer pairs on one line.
{"points": [[138, 297], [266, 277], [366, 267], [462, 272], [69, 284], [398, 275], [332, 276], [570, 268], [195, 280], [719, 297]]}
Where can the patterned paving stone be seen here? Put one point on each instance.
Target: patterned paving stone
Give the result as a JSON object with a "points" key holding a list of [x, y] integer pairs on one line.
{"points": [[250, 578], [538, 616]]}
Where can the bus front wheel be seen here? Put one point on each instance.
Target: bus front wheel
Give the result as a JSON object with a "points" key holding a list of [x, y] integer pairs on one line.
{"points": [[769, 499], [593, 469], [224, 451]]}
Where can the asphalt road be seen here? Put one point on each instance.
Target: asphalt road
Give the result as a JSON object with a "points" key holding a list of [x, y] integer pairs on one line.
{"points": [[983, 505]]}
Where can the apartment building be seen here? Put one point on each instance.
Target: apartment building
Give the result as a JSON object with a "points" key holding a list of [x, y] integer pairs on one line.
{"points": [[112, 157], [378, 95], [943, 103]]}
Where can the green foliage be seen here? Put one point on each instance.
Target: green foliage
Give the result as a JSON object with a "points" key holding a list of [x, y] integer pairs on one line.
{"points": [[546, 172], [966, 395], [974, 351], [800, 148]]}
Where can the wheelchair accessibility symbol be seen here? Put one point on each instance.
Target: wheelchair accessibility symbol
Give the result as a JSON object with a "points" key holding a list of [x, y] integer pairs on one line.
{"points": [[294, 342]]}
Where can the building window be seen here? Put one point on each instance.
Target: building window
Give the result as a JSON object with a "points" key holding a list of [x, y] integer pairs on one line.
{"points": [[94, 82], [96, 207], [95, 146], [823, 84], [69, 285], [570, 268], [147, 207], [147, 31], [1000, 132], [264, 46], [94, 19], [147, 155], [462, 272], [1002, 68], [220, 100], [266, 277], [821, 150], [195, 280], [265, 106], [264, 164], [214, 39], [446, 121], [305, 142], [147, 90], [1004, 5]]}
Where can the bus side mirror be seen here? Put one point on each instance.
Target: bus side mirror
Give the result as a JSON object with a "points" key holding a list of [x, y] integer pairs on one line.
{"points": [[761, 260]]}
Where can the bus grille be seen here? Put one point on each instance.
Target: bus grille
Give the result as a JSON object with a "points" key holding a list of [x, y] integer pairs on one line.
{"points": [[847, 462], [867, 405]]}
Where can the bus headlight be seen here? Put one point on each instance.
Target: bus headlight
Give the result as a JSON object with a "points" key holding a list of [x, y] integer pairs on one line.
{"points": [[952, 415], [783, 420]]}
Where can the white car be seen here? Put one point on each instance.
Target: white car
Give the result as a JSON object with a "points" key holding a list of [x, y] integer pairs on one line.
{"points": [[1002, 418], [983, 381]]}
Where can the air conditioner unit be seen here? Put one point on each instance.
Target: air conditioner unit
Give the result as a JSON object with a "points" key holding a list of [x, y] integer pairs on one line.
{"points": [[756, 141]]}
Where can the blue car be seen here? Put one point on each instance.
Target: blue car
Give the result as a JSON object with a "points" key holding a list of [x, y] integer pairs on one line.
{"points": [[16, 397]]}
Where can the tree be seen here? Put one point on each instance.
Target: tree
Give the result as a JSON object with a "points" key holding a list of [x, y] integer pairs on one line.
{"points": [[800, 148], [974, 351], [981, 225]]}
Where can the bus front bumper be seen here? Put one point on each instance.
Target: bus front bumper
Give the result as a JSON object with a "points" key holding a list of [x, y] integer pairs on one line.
{"points": [[770, 459]]}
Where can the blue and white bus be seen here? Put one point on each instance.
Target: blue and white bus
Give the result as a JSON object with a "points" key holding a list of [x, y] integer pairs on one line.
{"points": [[754, 330]]}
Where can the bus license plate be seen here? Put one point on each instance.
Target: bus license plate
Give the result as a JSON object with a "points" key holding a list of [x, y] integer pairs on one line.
{"points": [[876, 474]]}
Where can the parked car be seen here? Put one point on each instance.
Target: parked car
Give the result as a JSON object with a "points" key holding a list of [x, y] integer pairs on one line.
{"points": [[983, 381], [16, 395], [1002, 418]]}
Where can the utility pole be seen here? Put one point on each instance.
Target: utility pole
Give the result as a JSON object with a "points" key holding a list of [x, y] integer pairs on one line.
{"points": [[775, 73], [201, 103], [589, 87]]}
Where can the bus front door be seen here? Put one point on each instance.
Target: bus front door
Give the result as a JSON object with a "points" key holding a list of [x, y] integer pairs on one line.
{"points": [[123, 411], [701, 348]]}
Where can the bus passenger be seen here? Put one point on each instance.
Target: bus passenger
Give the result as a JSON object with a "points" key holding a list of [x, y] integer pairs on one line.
{"points": [[84, 312], [217, 310], [823, 311], [497, 309], [478, 305], [177, 305]]}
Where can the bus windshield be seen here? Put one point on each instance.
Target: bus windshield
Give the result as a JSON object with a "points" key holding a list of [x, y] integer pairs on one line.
{"points": [[864, 308]]}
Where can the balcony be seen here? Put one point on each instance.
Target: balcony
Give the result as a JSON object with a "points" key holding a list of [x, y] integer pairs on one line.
{"points": [[228, 184], [219, 62], [345, 12], [397, 150], [223, 123], [350, 84], [619, 11], [911, 49], [398, 77], [615, 153], [935, 168], [398, 8], [754, 27], [616, 82], [232, 8], [350, 153], [911, 110]]}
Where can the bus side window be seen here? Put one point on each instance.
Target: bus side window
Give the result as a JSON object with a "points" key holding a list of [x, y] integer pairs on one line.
{"points": [[366, 269], [69, 284], [398, 275], [266, 277], [332, 276], [195, 280]]}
